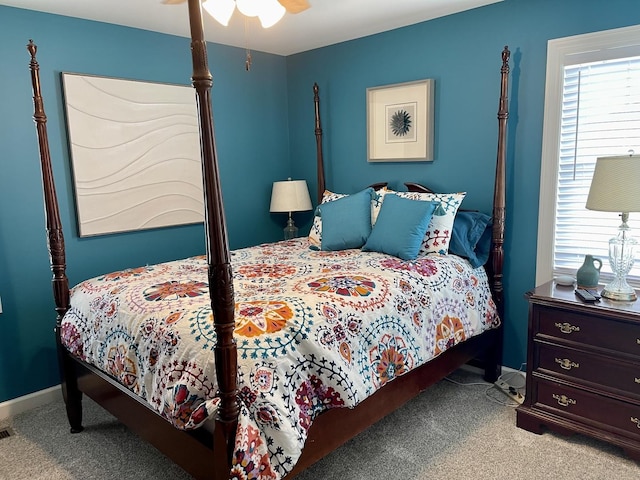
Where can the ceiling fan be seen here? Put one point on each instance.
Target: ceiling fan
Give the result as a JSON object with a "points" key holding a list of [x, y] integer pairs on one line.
{"points": [[268, 11]]}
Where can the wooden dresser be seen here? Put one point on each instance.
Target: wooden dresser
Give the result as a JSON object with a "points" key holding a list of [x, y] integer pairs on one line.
{"points": [[583, 368]]}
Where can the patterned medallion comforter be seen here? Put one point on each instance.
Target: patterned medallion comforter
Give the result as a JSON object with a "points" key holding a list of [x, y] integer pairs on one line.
{"points": [[315, 330]]}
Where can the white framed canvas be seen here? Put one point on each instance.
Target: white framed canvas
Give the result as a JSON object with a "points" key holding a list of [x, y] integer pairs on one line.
{"points": [[135, 153]]}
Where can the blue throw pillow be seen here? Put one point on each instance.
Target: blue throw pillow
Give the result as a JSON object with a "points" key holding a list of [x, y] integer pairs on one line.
{"points": [[471, 237], [346, 222], [401, 226]]}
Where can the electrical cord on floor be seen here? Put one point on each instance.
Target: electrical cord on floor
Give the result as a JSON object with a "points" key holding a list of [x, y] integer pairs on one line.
{"points": [[499, 397], [514, 378], [466, 384], [488, 392]]}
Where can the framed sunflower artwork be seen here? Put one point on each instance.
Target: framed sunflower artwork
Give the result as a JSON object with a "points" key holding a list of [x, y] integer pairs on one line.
{"points": [[400, 122]]}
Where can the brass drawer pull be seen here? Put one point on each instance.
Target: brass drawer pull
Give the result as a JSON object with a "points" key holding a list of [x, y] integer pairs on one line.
{"points": [[568, 364], [636, 421], [563, 400], [568, 328]]}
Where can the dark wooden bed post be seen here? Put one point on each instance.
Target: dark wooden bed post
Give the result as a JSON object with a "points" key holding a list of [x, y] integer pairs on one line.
{"points": [[319, 156], [218, 257], [499, 214], [499, 200], [55, 245]]}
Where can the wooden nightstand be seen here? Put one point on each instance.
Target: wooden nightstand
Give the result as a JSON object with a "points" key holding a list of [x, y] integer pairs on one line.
{"points": [[583, 368]]}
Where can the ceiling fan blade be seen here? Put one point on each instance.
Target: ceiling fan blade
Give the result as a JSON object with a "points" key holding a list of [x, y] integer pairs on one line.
{"points": [[173, 2], [294, 6]]}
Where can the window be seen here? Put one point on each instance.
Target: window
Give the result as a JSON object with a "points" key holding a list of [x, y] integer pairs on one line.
{"points": [[592, 109]]}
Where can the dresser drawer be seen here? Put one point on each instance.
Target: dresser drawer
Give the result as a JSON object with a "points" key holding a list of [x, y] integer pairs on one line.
{"points": [[597, 369], [595, 331], [598, 411]]}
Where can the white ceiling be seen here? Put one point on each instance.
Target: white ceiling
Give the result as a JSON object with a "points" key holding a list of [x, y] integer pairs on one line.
{"points": [[325, 23]]}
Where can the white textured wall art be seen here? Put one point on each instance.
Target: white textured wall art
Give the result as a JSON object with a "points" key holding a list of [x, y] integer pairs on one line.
{"points": [[135, 152]]}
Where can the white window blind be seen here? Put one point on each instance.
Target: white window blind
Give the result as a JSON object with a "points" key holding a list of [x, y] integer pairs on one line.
{"points": [[600, 117]]}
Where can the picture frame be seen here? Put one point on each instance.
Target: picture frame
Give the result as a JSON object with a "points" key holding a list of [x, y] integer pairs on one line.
{"points": [[400, 122], [135, 154]]}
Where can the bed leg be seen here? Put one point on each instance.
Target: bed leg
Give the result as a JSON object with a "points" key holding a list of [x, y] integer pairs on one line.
{"points": [[492, 371], [73, 402], [223, 451], [493, 362], [70, 392], [74, 412]]}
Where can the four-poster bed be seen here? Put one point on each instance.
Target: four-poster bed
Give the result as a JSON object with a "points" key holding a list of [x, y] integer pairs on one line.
{"points": [[170, 415]]}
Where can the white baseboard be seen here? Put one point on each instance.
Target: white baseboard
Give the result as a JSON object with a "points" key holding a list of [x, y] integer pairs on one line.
{"points": [[29, 402], [513, 370]]}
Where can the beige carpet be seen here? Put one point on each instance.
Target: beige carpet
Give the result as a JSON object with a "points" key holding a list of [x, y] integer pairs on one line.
{"points": [[448, 432]]}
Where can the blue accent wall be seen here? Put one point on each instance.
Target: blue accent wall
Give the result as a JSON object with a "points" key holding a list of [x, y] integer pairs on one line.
{"points": [[264, 133]]}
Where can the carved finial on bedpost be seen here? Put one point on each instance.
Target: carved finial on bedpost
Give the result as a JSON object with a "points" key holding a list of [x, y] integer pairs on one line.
{"points": [[218, 256], [319, 155], [505, 56], [33, 49]]}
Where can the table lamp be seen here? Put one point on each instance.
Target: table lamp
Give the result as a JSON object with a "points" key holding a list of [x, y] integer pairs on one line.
{"points": [[287, 197], [615, 187]]}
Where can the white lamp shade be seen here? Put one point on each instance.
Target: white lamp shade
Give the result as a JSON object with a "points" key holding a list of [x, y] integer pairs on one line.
{"points": [[221, 10], [250, 8], [271, 13], [615, 186], [290, 196]]}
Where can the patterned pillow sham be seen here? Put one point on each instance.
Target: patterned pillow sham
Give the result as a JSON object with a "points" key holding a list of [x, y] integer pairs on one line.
{"points": [[315, 234], [438, 235]]}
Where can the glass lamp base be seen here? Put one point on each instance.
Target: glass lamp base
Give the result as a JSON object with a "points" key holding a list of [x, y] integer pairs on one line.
{"points": [[621, 258], [290, 231], [619, 291]]}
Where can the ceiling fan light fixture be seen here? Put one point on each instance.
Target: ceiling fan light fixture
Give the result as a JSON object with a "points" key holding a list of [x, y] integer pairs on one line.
{"points": [[221, 10], [250, 8], [271, 13], [268, 11]]}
